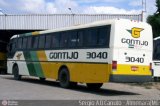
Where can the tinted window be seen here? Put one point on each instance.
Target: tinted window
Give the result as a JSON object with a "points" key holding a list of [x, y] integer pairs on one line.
{"points": [[24, 43], [35, 42], [72, 41], [12, 48], [104, 36], [29, 43], [90, 37], [80, 38], [56, 40], [41, 42], [48, 41], [12, 45], [156, 52], [64, 39], [19, 43]]}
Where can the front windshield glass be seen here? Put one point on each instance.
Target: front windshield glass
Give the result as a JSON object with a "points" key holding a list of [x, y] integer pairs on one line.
{"points": [[156, 51]]}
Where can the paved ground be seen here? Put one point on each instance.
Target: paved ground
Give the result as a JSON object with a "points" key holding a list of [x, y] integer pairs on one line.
{"points": [[33, 89]]}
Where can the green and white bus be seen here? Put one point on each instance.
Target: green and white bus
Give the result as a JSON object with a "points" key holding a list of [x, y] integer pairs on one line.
{"points": [[111, 50]]}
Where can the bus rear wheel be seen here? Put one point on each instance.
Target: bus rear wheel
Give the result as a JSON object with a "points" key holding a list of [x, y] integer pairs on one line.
{"points": [[94, 86], [64, 78], [16, 73]]}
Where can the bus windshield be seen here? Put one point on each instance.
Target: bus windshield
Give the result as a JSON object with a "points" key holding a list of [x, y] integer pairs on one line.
{"points": [[156, 51]]}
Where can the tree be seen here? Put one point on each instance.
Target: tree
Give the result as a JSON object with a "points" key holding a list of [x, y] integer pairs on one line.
{"points": [[154, 20], [158, 6]]}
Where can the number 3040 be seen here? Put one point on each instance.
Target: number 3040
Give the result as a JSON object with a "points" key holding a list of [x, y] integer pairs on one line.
{"points": [[133, 59], [94, 55]]}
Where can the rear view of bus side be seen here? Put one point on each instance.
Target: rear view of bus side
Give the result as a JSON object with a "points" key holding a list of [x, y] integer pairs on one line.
{"points": [[95, 53]]}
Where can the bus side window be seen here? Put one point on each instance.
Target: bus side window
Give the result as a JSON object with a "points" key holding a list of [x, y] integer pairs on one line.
{"points": [[56, 40], [24, 45], [35, 42], [64, 40], [19, 43], [91, 37], [9, 49], [72, 39], [41, 43], [29, 42], [12, 48], [104, 36], [48, 41], [80, 38]]}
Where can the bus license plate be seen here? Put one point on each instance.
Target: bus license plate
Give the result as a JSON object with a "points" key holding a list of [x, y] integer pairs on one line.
{"points": [[134, 68]]}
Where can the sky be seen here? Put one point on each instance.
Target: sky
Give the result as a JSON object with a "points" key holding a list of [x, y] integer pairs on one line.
{"points": [[77, 6]]}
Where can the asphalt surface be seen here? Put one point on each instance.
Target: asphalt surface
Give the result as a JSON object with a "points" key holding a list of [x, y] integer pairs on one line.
{"points": [[30, 88]]}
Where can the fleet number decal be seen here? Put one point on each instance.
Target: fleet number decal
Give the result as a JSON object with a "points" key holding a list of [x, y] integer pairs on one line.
{"points": [[133, 59], [94, 55]]}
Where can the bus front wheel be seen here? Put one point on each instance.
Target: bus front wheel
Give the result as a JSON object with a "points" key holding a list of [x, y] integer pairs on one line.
{"points": [[94, 86], [16, 73]]}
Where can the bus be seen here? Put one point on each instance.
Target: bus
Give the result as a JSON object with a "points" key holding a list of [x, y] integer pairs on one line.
{"points": [[116, 50], [3, 57], [156, 59]]}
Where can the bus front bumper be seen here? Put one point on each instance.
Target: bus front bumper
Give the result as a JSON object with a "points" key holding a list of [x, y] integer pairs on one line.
{"points": [[130, 78]]}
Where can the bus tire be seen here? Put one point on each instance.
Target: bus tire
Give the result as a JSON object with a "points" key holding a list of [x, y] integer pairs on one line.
{"points": [[64, 78], [94, 86], [16, 73]]}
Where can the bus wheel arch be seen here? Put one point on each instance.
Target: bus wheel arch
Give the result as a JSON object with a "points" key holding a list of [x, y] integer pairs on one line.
{"points": [[15, 72]]}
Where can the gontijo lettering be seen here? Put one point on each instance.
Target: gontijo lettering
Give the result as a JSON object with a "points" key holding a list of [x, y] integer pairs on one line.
{"points": [[63, 55], [134, 42]]}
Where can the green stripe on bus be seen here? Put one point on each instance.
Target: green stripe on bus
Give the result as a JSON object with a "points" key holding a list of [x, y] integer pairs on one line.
{"points": [[37, 65], [27, 34], [30, 65]]}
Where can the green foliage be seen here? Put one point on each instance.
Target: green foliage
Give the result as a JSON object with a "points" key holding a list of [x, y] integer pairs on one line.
{"points": [[158, 6], [154, 20]]}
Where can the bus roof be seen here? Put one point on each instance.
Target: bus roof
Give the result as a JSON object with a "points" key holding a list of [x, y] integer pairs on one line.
{"points": [[93, 24]]}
